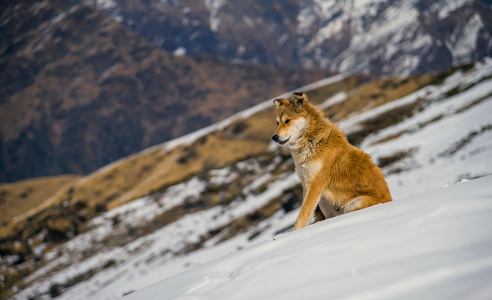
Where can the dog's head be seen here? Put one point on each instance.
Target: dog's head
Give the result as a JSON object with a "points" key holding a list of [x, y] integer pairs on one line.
{"points": [[291, 119]]}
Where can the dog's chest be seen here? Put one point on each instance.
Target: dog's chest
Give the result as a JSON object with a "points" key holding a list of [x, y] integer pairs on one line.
{"points": [[306, 171]]}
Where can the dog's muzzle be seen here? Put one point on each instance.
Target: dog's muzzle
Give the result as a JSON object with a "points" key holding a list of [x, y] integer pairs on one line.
{"points": [[276, 139]]}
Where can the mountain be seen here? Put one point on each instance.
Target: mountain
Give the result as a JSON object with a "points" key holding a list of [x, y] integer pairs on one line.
{"points": [[396, 37], [425, 132], [78, 90]]}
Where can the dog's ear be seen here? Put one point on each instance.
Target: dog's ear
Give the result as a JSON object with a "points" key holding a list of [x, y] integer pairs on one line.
{"points": [[280, 102], [299, 99]]}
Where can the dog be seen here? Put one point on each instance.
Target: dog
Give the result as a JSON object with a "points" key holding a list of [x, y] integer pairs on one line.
{"points": [[336, 177]]}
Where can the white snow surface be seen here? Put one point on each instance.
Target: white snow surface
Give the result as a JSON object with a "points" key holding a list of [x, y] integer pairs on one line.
{"points": [[436, 245]]}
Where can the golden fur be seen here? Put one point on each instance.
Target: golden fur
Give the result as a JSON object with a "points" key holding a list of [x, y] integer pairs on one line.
{"points": [[336, 176]]}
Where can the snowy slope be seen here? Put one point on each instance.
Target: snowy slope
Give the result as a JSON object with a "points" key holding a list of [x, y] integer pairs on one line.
{"points": [[450, 139], [447, 140], [435, 245]]}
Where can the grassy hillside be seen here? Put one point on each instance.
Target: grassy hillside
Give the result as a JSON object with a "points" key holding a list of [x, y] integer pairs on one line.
{"points": [[16, 199]]}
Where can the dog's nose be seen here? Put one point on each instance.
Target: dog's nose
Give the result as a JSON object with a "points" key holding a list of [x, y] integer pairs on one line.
{"points": [[275, 138]]}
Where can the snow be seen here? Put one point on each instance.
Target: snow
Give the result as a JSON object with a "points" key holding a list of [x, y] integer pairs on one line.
{"points": [[466, 43], [180, 51], [432, 93], [394, 37], [106, 4], [396, 29], [337, 98], [435, 245], [445, 7], [214, 6], [222, 176]]}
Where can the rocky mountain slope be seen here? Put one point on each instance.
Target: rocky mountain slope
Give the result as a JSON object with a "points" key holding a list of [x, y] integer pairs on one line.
{"points": [[424, 132], [78, 90], [381, 37]]}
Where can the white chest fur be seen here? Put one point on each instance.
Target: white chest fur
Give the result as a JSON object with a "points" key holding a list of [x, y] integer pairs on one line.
{"points": [[307, 171]]}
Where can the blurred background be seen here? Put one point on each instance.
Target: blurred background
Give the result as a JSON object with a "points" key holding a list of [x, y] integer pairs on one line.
{"points": [[90, 90]]}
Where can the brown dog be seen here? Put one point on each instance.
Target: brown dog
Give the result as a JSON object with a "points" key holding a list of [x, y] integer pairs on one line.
{"points": [[336, 177]]}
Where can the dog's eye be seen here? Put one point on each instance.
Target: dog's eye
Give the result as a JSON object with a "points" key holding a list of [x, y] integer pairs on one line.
{"points": [[277, 123], [287, 121]]}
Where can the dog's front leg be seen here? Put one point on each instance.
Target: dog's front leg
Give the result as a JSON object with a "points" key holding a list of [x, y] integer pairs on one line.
{"points": [[308, 206]]}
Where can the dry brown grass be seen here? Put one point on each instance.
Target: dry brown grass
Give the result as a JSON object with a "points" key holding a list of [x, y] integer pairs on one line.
{"points": [[19, 197], [376, 93]]}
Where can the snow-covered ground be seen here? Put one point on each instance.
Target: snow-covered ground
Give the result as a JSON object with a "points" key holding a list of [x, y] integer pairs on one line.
{"points": [[430, 242], [450, 139], [436, 245]]}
